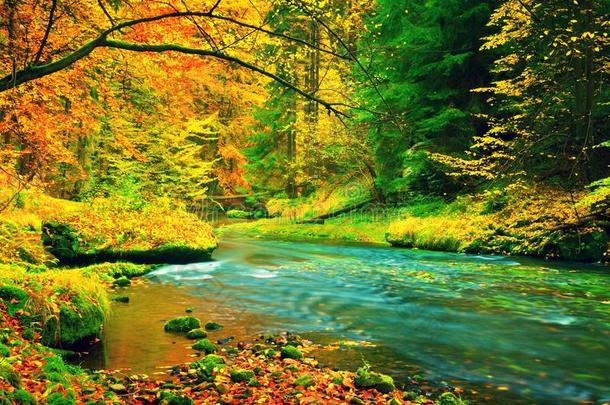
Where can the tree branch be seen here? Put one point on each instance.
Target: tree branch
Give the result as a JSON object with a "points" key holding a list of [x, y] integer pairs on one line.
{"points": [[219, 55], [47, 32]]}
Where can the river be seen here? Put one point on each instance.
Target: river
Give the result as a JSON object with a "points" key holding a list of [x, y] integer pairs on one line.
{"points": [[506, 330]]}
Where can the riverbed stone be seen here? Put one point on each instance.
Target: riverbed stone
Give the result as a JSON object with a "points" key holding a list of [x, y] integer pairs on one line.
{"points": [[241, 375], [205, 346], [291, 352], [449, 398], [118, 388], [304, 381], [121, 298], [198, 333], [367, 379], [212, 326], [182, 324], [122, 282]]}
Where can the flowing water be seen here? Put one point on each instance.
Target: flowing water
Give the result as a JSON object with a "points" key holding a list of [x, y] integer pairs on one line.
{"points": [[507, 330]]}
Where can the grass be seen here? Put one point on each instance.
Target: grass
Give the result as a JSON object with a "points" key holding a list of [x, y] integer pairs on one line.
{"points": [[516, 221]]}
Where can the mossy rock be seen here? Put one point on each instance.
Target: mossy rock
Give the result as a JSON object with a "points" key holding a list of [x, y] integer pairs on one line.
{"points": [[212, 326], [170, 398], [14, 298], [291, 352], [79, 321], [198, 333], [367, 379], [121, 298], [205, 346], [448, 398], [28, 334], [240, 375], [209, 363], [182, 324], [253, 382], [304, 381], [65, 243], [122, 282]]}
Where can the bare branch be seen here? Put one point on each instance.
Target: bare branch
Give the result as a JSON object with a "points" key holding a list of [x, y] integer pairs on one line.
{"points": [[47, 32]]}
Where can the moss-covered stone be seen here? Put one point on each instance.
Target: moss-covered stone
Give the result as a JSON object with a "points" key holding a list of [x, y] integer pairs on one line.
{"points": [[121, 298], [182, 324], [253, 382], [71, 239], [367, 379], [239, 214], [209, 363], [198, 333], [291, 352], [212, 326], [170, 398], [78, 321], [448, 398], [122, 282], [304, 381], [240, 375], [205, 346]]}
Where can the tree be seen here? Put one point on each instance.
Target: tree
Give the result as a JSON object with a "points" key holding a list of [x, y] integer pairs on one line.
{"points": [[424, 59], [550, 96]]}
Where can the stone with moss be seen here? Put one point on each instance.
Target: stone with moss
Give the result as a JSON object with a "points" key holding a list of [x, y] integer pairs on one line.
{"points": [[170, 398], [239, 214], [241, 375], [253, 382], [79, 321], [205, 346], [121, 298], [291, 352], [367, 379], [198, 333], [210, 363], [304, 381], [122, 282], [449, 398], [69, 238], [212, 326], [182, 324]]}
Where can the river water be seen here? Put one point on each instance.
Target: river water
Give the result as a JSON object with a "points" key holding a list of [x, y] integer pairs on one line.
{"points": [[506, 330]]}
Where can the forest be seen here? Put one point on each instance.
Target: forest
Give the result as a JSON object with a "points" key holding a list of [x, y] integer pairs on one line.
{"points": [[304, 201]]}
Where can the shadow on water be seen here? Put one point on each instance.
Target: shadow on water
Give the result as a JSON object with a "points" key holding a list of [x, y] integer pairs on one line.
{"points": [[511, 329]]}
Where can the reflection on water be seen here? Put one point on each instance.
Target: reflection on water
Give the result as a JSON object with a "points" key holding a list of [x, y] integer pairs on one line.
{"points": [[506, 327]]}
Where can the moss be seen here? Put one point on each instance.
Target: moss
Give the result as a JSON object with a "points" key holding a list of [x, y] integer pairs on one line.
{"points": [[28, 334], [205, 346], [121, 298], [367, 379], [291, 352], [170, 398], [58, 398], [240, 375], [22, 397], [14, 298], [253, 382], [4, 351], [81, 320], [196, 334], [105, 233], [122, 282], [213, 326], [304, 381], [9, 374], [239, 214], [448, 398], [589, 246], [182, 324]]}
